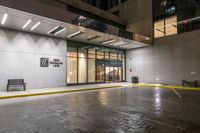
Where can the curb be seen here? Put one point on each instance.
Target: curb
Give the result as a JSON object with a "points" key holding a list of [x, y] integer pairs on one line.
{"points": [[58, 92], [167, 87]]}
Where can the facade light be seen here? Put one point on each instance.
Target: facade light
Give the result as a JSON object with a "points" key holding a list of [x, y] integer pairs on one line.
{"points": [[27, 23], [36, 25], [4, 19], [74, 34], [60, 31]]}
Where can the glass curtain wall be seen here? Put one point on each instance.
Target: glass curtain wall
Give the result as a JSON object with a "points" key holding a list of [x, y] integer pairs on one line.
{"points": [[93, 66], [82, 65], [72, 64], [175, 16]]}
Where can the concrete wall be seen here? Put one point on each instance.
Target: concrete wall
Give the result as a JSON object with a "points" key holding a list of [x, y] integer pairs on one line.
{"points": [[138, 14], [171, 59], [20, 55]]}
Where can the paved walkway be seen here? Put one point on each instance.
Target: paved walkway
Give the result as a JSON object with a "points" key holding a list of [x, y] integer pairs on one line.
{"points": [[32, 92]]}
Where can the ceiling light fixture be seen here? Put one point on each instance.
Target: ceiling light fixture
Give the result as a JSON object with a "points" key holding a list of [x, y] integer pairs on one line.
{"points": [[36, 25], [108, 41], [27, 23], [60, 31], [119, 43], [92, 38], [4, 19], [74, 34], [52, 30]]}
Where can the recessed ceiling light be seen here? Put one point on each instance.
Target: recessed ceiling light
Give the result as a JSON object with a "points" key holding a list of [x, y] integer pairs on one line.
{"points": [[52, 30], [27, 23], [4, 19], [75, 34], [36, 25], [119, 43], [60, 31], [108, 41], [92, 38]]}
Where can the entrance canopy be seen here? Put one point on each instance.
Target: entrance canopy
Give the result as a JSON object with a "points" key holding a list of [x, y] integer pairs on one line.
{"points": [[35, 17]]}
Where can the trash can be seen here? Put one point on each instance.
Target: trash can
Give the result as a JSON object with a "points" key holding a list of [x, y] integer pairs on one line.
{"points": [[135, 80]]}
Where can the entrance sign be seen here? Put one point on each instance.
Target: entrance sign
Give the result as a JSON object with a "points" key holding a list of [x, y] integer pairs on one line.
{"points": [[45, 62]]}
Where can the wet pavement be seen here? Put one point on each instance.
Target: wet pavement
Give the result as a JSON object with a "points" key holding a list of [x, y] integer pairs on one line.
{"points": [[126, 110]]}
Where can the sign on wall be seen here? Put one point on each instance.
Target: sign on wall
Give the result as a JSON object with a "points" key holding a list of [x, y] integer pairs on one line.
{"points": [[56, 63], [45, 62]]}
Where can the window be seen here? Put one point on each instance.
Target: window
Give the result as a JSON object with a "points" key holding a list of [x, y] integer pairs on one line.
{"points": [[82, 66], [165, 27], [72, 65], [90, 66], [175, 16]]}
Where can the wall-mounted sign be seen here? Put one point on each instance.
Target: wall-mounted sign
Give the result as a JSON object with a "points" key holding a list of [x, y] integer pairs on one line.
{"points": [[56, 63], [45, 62]]}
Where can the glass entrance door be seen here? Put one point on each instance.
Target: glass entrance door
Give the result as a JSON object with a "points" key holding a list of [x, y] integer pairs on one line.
{"points": [[100, 73], [113, 74]]}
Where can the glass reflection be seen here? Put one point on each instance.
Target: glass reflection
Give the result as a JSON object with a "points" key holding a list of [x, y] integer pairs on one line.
{"points": [[90, 65], [157, 101], [103, 98]]}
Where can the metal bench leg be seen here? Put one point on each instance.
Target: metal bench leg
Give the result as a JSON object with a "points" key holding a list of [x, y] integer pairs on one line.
{"points": [[7, 88], [24, 87]]}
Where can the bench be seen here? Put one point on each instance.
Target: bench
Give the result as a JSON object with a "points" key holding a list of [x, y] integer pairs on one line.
{"points": [[196, 83], [16, 82]]}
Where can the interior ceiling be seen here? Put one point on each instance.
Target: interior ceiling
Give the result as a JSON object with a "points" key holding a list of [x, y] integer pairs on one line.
{"points": [[17, 19], [169, 28]]}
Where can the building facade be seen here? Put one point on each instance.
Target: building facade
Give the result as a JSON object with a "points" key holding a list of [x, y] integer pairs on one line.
{"points": [[68, 42]]}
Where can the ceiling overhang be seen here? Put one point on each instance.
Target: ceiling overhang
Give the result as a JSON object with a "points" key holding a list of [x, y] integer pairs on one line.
{"points": [[50, 17]]}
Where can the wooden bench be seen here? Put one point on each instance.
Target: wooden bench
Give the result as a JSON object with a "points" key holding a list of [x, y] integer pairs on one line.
{"points": [[196, 83], [16, 82]]}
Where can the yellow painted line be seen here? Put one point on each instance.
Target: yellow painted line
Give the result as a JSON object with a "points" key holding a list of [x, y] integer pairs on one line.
{"points": [[167, 87], [176, 93], [57, 92]]}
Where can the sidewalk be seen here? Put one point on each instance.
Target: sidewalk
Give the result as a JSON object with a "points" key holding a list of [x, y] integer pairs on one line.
{"points": [[67, 89]]}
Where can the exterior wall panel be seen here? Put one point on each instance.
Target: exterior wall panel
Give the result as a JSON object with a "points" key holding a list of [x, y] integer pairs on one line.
{"points": [[171, 59], [20, 55]]}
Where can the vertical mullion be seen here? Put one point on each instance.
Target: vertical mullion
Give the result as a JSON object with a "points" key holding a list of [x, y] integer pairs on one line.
{"points": [[104, 68], [77, 66], [109, 66], [95, 65], [87, 66]]}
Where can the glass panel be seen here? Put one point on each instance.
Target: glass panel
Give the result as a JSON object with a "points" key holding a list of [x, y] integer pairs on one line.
{"points": [[71, 70], [100, 55], [124, 69], [119, 57], [71, 52], [100, 73], [107, 73], [82, 53], [82, 70], [159, 28], [171, 25], [120, 74], [106, 55], [111, 74], [113, 56], [82, 65], [91, 70], [115, 74], [91, 54]]}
